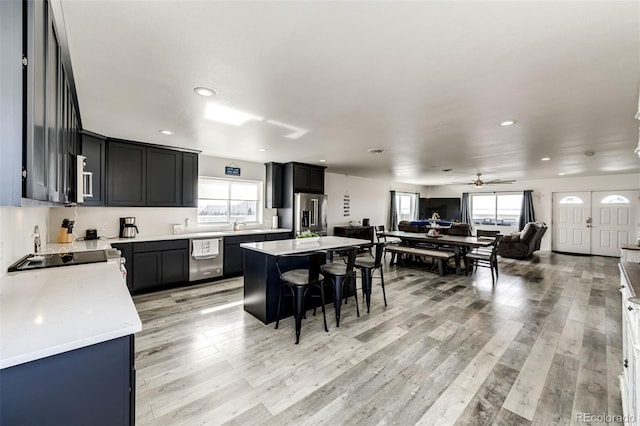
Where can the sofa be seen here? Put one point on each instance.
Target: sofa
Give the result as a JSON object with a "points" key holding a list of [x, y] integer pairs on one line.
{"points": [[520, 245]]}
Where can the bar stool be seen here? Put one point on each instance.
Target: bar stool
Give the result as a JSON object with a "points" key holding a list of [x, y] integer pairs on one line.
{"points": [[300, 280], [367, 266], [341, 275]]}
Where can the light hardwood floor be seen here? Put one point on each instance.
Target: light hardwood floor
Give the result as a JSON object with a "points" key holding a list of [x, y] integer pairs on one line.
{"points": [[541, 346]]}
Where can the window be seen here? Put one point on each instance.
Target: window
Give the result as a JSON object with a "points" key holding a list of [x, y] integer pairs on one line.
{"points": [[571, 200], [406, 206], [496, 209], [614, 199], [225, 201]]}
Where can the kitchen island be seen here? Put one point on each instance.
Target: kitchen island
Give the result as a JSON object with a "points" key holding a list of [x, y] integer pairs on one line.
{"points": [[66, 346], [261, 279]]}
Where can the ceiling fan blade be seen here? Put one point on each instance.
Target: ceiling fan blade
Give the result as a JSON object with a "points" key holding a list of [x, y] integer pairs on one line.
{"points": [[496, 182]]}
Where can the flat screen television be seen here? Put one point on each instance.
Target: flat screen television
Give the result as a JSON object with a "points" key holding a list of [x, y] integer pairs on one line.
{"points": [[447, 208]]}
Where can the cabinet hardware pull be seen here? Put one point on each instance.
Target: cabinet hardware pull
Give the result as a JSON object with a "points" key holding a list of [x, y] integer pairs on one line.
{"points": [[626, 363], [621, 287], [629, 308]]}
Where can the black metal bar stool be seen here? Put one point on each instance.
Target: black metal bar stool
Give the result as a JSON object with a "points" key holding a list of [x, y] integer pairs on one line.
{"points": [[341, 275], [367, 266], [300, 280]]}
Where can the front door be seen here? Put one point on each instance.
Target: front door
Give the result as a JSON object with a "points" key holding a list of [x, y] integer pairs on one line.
{"points": [[571, 217], [613, 223], [595, 222]]}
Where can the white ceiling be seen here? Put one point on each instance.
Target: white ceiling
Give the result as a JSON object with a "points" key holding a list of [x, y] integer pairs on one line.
{"points": [[428, 82]]}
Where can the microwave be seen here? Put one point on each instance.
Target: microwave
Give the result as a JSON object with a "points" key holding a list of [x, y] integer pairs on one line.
{"points": [[81, 180]]}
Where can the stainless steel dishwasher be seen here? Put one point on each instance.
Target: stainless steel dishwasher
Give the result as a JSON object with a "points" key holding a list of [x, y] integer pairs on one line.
{"points": [[206, 258]]}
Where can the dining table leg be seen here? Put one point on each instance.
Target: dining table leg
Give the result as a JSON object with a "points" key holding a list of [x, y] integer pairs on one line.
{"points": [[456, 252]]}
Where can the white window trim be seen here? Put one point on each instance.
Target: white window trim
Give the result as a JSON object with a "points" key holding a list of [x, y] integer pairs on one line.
{"points": [[259, 202], [493, 226], [411, 207]]}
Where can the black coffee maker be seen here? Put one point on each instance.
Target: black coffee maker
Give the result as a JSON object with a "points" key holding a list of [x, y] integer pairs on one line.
{"points": [[128, 228]]}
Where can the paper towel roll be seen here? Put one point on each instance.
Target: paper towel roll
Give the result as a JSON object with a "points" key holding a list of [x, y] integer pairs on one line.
{"points": [[274, 222]]}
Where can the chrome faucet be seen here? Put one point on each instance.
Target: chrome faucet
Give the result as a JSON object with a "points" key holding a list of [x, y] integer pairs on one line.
{"points": [[236, 225], [36, 240]]}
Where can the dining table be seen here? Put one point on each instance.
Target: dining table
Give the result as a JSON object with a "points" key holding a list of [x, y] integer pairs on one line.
{"points": [[460, 244]]}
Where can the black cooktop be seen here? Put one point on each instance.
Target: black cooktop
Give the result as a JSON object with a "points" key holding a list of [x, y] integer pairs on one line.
{"points": [[31, 261]]}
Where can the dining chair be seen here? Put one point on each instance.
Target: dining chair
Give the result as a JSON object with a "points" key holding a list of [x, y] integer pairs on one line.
{"points": [[485, 233], [382, 238], [367, 266], [299, 274], [341, 275], [487, 259]]}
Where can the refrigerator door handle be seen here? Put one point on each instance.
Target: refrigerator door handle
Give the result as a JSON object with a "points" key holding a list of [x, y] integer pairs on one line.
{"points": [[314, 212]]}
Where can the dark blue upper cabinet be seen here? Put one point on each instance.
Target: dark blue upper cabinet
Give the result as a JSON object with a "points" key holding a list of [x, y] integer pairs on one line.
{"points": [[50, 111], [11, 83]]}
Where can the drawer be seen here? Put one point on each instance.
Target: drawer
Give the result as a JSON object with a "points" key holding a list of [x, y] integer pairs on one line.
{"points": [[243, 239], [278, 236], [160, 245]]}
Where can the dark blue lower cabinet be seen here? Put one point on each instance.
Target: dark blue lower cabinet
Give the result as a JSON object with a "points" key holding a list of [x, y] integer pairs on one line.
{"points": [[94, 385]]}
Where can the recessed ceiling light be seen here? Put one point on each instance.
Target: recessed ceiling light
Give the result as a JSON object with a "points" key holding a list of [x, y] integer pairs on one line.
{"points": [[561, 174], [166, 132], [376, 150], [508, 123], [589, 153], [261, 149], [323, 161], [203, 91], [545, 159]]}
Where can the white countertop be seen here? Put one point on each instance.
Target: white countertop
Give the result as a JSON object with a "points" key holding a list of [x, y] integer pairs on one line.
{"points": [[76, 246], [105, 243], [277, 248], [55, 310]]}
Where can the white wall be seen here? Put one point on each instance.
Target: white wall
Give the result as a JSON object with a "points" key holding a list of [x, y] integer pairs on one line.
{"points": [[214, 167], [369, 198], [16, 228], [543, 190], [150, 220]]}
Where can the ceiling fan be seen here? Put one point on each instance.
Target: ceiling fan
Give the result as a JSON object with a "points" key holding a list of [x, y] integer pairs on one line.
{"points": [[479, 183]]}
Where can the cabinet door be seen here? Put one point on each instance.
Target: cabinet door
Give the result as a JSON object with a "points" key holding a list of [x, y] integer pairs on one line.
{"points": [[315, 184], [189, 179], [233, 252], [164, 178], [52, 112], [175, 266], [300, 178], [126, 174], [36, 141], [273, 186], [94, 148], [11, 83], [147, 269], [92, 385]]}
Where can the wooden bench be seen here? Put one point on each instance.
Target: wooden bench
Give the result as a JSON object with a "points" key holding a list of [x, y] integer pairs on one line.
{"points": [[440, 256]]}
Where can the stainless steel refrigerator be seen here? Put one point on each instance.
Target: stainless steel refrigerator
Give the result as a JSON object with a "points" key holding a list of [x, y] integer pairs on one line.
{"points": [[310, 213]]}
